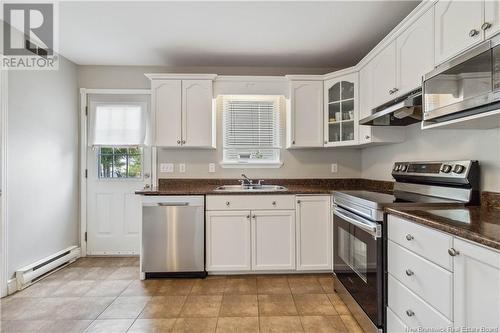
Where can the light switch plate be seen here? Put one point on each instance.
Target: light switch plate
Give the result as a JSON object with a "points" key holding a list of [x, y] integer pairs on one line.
{"points": [[167, 167], [211, 167], [334, 168], [182, 167]]}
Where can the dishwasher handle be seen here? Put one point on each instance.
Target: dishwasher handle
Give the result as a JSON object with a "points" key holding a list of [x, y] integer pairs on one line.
{"points": [[172, 204]]}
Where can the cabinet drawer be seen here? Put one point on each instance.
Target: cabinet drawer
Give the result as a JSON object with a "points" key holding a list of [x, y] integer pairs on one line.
{"points": [[430, 244], [394, 324], [250, 202], [426, 279], [413, 311]]}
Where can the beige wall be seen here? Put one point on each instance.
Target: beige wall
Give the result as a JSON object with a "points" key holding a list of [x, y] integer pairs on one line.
{"points": [[304, 163], [439, 144]]}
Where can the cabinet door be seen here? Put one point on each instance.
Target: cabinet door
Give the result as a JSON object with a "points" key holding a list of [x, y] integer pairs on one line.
{"points": [[273, 240], [166, 96], [491, 24], [228, 241], [306, 114], [476, 286], [314, 233], [383, 79], [341, 111], [415, 53], [458, 26], [365, 103], [198, 116]]}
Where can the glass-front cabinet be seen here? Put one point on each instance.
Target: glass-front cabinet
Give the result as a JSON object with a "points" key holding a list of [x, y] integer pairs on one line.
{"points": [[341, 111]]}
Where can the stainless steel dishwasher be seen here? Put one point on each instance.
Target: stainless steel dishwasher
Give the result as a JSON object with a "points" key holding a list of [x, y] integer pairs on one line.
{"points": [[173, 236]]}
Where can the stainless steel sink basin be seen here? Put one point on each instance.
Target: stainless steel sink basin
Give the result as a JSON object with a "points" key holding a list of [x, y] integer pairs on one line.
{"points": [[250, 188]]}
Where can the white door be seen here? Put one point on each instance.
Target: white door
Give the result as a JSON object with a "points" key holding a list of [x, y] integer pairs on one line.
{"points": [[476, 286], [314, 233], [383, 79], [167, 100], [415, 53], [273, 240], [458, 26], [491, 25], [228, 241], [306, 119], [197, 113], [116, 168], [365, 103]]}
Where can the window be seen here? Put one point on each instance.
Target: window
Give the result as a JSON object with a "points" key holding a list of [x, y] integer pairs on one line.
{"points": [[115, 162], [251, 133]]}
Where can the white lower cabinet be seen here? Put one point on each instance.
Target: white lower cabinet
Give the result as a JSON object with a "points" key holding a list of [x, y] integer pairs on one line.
{"points": [[476, 280], [463, 293], [273, 240], [247, 233], [314, 232], [228, 245]]}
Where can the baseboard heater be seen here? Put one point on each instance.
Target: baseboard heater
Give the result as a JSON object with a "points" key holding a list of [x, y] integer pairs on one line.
{"points": [[31, 273]]}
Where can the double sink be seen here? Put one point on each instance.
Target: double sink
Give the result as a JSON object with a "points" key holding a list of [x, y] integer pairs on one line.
{"points": [[250, 188]]}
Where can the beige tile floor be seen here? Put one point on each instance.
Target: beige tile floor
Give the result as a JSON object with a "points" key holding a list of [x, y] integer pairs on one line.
{"points": [[105, 295]]}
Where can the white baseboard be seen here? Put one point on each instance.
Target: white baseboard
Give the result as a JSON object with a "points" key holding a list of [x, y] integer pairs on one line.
{"points": [[11, 286]]}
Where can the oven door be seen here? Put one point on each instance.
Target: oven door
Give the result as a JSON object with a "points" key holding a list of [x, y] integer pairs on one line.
{"points": [[358, 261]]}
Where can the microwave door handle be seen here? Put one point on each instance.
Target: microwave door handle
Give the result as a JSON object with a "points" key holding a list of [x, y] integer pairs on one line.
{"points": [[372, 228]]}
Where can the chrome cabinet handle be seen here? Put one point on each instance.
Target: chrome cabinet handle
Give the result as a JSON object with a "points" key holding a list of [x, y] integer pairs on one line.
{"points": [[391, 92], [409, 237], [367, 137], [293, 142], [253, 216], [409, 272], [486, 26], [274, 203], [410, 313], [248, 217], [452, 252], [395, 90], [178, 142], [228, 203], [183, 141], [326, 142], [298, 201], [473, 33]]}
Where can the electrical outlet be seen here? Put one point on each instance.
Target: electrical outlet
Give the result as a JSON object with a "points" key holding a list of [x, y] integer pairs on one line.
{"points": [[167, 167], [334, 168], [182, 167], [211, 167]]}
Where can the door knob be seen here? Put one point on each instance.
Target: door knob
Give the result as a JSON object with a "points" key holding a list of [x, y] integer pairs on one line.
{"points": [[486, 26], [473, 33], [147, 175]]}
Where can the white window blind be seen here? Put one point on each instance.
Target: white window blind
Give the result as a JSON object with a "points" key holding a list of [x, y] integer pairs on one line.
{"points": [[119, 125], [251, 129]]}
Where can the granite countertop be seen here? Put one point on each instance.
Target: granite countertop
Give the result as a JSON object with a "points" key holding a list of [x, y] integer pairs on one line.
{"points": [[294, 186], [477, 224]]}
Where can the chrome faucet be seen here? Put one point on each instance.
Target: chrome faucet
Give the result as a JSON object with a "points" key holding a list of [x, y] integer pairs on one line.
{"points": [[246, 180], [249, 182]]}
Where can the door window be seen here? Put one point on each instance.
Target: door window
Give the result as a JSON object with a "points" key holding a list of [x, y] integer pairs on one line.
{"points": [[114, 162]]}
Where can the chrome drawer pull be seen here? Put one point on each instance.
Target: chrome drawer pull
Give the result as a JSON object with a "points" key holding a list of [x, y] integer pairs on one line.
{"points": [[409, 272], [228, 203], [410, 313], [452, 252], [274, 203], [409, 237]]}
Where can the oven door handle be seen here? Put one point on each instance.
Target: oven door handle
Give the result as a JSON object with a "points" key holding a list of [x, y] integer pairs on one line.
{"points": [[370, 227]]}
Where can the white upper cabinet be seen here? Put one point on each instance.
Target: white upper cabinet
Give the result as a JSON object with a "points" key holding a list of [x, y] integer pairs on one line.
{"points": [[476, 285], [341, 111], [491, 25], [383, 78], [183, 110], [167, 104], [305, 114], [314, 232], [198, 118], [415, 53], [457, 27]]}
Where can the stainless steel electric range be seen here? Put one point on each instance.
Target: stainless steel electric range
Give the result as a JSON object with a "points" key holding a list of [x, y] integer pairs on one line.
{"points": [[359, 233]]}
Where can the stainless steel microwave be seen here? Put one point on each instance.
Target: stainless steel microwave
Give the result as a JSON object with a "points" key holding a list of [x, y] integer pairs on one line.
{"points": [[466, 85]]}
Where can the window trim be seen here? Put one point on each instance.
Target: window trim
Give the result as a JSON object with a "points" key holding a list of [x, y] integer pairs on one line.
{"points": [[256, 163]]}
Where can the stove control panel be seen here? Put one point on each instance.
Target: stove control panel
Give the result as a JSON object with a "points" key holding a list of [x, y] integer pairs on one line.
{"points": [[455, 169]]}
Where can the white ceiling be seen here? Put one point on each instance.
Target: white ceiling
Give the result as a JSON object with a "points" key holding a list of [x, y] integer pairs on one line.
{"points": [[333, 34]]}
